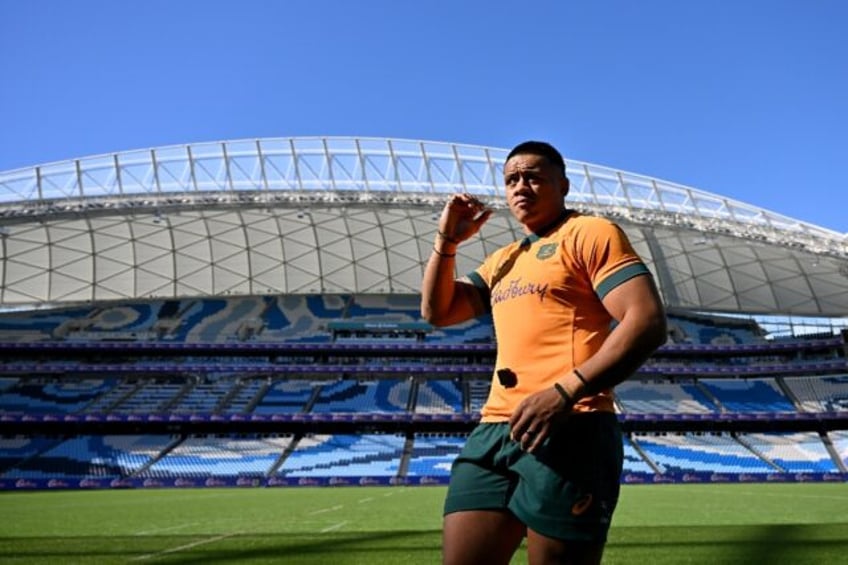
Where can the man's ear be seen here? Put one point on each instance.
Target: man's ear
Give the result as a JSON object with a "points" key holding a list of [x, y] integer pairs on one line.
{"points": [[565, 185]]}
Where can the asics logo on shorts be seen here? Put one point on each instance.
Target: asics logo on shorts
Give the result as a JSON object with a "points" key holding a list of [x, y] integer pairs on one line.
{"points": [[582, 505]]}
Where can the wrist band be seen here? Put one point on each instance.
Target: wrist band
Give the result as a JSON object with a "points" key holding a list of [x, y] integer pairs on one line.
{"points": [[440, 254], [444, 236], [583, 380], [564, 394]]}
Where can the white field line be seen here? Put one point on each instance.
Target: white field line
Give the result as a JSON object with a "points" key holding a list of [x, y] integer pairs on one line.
{"points": [[780, 495], [161, 530], [333, 527], [363, 500], [330, 509], [182, 547]]}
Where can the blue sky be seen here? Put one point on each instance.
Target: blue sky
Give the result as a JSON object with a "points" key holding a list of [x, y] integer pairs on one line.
{"points": [[744, 98]]}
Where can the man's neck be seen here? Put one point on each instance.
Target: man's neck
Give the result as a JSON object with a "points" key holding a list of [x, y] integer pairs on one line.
{"points": [[547, 226]]}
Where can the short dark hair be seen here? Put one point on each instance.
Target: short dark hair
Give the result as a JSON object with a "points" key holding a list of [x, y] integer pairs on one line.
{"points": [[542, 149]]}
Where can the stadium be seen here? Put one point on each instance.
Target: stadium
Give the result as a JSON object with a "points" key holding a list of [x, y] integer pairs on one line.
{"points": [[246, 314]]}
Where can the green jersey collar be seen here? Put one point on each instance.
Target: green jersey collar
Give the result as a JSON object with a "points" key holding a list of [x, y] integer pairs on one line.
{"points": [[537, 235]]}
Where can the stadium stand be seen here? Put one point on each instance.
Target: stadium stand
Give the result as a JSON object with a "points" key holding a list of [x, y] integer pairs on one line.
{"points": [[839, 441], [388, 395], [337, 389], [693, 453], [345, 455], [438, 397], [634, 460], [86, 457], [204, 456], [286, 397], [433, 454], [792, 452], [664, 397], [261, 325], [748, 395], [819, 394], [56, 396]]}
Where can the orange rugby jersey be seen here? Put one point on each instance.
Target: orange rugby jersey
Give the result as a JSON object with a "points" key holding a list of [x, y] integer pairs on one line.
{"points": [[545, 296]]}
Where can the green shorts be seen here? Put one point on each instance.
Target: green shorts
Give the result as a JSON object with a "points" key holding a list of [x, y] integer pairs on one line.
{"points": [[566, 490]]}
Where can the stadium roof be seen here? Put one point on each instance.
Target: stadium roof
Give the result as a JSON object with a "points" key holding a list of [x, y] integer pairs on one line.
{"points": [[357, 215]]}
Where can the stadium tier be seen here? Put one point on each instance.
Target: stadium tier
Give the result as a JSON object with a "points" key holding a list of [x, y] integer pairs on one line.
{"points": [[364, 392]]}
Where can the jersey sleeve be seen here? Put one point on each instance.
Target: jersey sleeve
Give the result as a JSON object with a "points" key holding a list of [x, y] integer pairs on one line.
{"points": [[608, 256], [481, 278]]}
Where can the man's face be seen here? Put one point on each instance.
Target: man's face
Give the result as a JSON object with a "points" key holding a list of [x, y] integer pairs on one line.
{"points": [[534, 190]]}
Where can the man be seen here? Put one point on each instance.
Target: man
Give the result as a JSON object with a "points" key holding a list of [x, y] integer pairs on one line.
{"points": [[575, 313]]}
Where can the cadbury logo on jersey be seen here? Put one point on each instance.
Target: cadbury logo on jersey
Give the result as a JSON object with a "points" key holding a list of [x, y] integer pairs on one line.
{"points": [[515, 288], [546, 251]]}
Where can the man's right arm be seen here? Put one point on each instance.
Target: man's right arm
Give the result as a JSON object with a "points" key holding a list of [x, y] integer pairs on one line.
{"points": [[446, 300]]}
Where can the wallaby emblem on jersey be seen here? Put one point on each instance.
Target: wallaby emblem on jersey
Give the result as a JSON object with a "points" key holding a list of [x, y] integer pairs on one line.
{"points": [[546, 251]]}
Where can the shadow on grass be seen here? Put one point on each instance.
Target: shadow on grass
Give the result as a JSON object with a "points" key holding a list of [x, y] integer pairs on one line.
{"points": [[326, 548], [773, 544], [657, 545]]}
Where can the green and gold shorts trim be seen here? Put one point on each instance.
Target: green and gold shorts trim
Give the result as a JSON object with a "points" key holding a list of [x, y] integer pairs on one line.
{"points": [[567, 489]]}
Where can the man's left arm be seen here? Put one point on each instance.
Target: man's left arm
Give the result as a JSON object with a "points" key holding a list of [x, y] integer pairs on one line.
{"points": [[641, 329]]}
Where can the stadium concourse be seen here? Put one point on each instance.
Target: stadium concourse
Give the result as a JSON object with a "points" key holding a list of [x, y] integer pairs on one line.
{"points": [[246, 313]]}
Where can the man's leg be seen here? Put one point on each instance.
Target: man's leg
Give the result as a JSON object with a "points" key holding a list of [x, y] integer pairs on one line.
{"points": [[569, 490], [542, 550], [480, 537]]}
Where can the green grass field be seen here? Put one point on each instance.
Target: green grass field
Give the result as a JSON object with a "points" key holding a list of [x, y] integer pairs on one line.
{"points": [[655, 524]]}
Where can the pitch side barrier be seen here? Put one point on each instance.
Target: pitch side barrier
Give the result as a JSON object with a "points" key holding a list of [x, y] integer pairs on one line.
{"points": [[154, 368], [210, 481], [154, 358], [160, 348], [403, 422]]}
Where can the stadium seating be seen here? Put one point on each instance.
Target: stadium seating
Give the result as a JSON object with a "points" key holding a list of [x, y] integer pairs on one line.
{"points": [[689, 452], [663, 397], [820, 394], [633, 461], [152, 396], [18, 449], [345, 455], [478, 392], [204, 397], [792, 452], [383, 396], [748, 395], [204, 456], [438, 397], [245, 396], [286, 397], [724, 372], [52, 395], [90, 457], [433, 454], [839, 439]]}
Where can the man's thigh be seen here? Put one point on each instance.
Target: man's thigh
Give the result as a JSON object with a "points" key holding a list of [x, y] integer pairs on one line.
{"points": [[480, 536]]}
